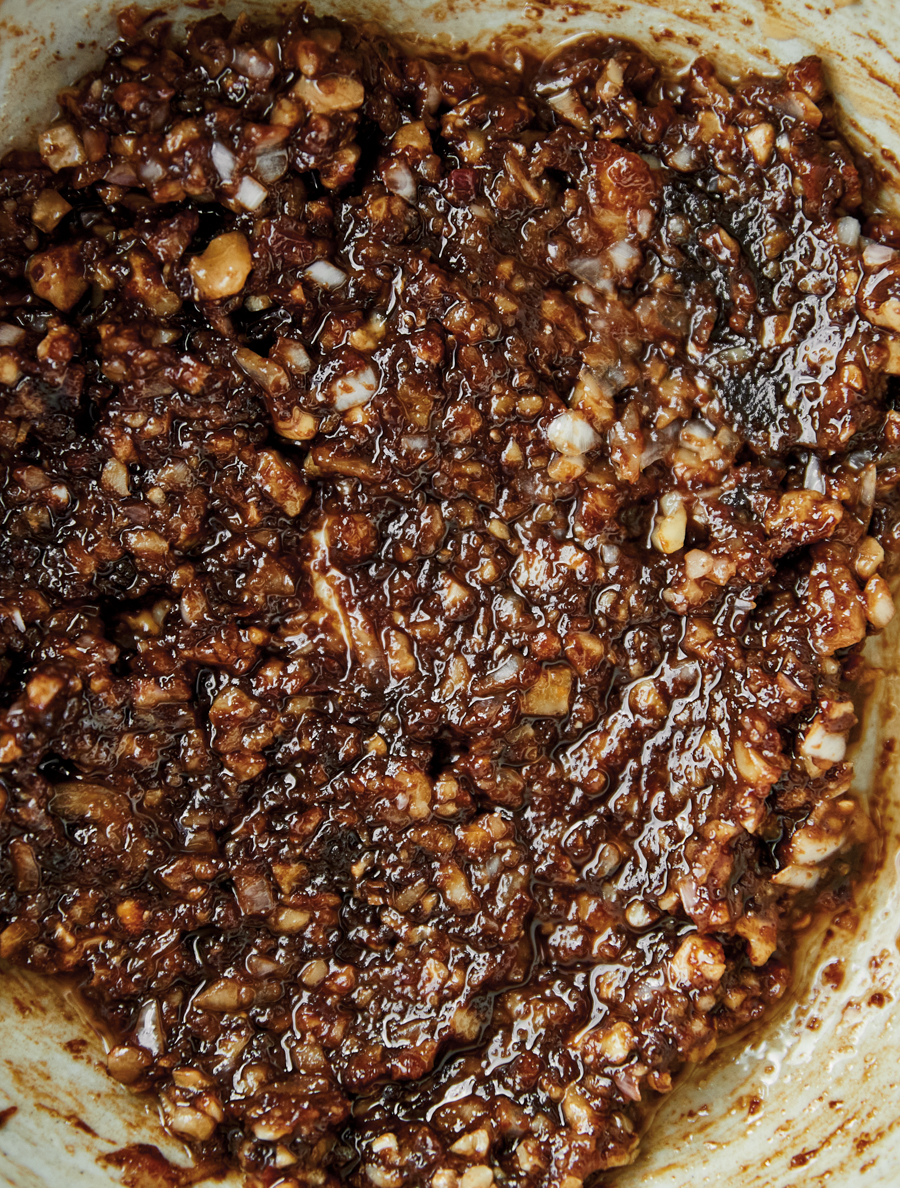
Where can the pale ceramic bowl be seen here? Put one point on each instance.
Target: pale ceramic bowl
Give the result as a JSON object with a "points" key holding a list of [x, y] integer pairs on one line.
{"points": [[813, 1097]]}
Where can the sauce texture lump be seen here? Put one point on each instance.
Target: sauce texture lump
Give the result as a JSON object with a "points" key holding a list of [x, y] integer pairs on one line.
{"points": [[442, 502]]}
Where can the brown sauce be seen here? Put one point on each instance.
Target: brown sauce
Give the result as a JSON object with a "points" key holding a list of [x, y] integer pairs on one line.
{"points": [[441, 507]]}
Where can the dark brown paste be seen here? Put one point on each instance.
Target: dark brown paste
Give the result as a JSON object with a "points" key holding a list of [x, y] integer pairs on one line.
{"points": [[442, 501]]}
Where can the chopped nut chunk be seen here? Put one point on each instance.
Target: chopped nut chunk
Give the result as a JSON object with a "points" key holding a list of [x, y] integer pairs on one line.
{"points": [[222, 270], [57, 275]]}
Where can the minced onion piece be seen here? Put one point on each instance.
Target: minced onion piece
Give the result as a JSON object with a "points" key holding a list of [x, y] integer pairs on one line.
{"points": [[294, 354], [819, 743], [877, 253], [354, 388], [624, 255], [10, 335], [326, 275], [251, 63], [224, 160], [813, 479], [250, 194], [121, 174], [683, 159], [588, 269], [400, 180], [148, 1031], [847, 231], [150, 171], [271, 165], [570, 433]]}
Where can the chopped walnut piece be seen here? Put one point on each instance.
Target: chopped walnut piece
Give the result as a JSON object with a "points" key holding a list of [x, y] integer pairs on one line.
{"points": [[57, 275], [222, 270]]}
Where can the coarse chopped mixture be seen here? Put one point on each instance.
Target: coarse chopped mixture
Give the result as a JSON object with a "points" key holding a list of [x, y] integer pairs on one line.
{"points": [[442, 500]]}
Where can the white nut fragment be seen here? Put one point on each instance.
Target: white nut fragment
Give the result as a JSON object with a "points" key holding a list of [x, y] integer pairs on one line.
{"points": [[879, 603], [616, 1043], [400, 657], [61, 148], [10, 371], [10, 335], [383, 1177], [876, 254], [271, 164], [190, 1123], [802, 878], [114, 477], [892, 363], [671, 524], [476, 1142], [289, 920], [571, 434], [186, 1077], [624, 256], [225, 994], [578, 1112], [57, 275], [699, 961], [126, 1063], [594, 399], [299, 426], [816, 840], [819, 744], [49, 208], [867, 556], [824, 742], [529, 1156], [760, 140], [698, 563], [354, 388], [415, 793], [294, 354], [334, 92], [477, 1177], [752, 766], [846, 231], [761, 935], [270, 376], [149, 1032], [148, 286], [222, 270], [549, 697], [223, 159], [639, 915], [455, 888], [584, 651], [314, 973], [386, 1142]]}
